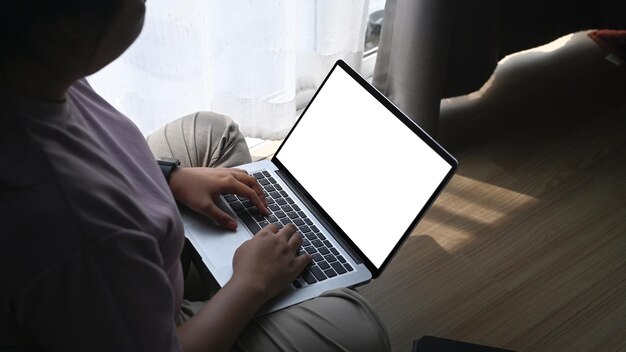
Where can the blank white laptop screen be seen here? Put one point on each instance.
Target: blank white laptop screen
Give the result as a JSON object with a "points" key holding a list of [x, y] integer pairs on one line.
{"points": [[362, 165]]}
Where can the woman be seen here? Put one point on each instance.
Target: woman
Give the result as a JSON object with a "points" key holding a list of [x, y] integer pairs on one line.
{"points": [[91, 233]]}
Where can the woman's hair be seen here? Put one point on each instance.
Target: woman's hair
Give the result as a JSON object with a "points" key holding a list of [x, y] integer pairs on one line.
{"points": [[17, 19], [18, 16]]}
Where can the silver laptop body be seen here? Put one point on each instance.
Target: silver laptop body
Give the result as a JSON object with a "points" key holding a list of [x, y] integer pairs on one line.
{"points": [[360, 172]]}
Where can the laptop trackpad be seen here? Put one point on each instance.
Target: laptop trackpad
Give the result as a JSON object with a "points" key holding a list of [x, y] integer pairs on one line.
{"points": [[215, 245]]}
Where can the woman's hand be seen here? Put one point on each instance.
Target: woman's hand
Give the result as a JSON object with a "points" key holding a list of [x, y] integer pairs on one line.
{"points": [[269, 262], [262, 267], [199, 188]]}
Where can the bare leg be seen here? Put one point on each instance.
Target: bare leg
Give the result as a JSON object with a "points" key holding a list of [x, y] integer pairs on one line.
{"points": [[535, 88]]}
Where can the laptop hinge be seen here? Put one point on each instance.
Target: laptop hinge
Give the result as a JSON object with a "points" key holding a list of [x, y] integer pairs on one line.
{"points": [[334, 232]]}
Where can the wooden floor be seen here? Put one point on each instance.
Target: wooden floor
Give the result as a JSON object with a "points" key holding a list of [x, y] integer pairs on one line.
{"points": [[526, 247]]}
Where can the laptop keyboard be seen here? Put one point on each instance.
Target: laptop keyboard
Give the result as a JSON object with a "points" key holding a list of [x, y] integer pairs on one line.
{"points": [[327, 261]]}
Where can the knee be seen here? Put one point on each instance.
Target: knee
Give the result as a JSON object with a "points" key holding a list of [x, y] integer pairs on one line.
{"points": [[217, 123], [226, 144], [336, 320], [201, 139], [366, 331]]}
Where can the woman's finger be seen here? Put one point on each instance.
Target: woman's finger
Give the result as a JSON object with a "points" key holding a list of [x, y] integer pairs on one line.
{"points": [[214, 212], [241, 171], [251, 182], [241, 189], [301, 261], [287, 231], [295, 241]]}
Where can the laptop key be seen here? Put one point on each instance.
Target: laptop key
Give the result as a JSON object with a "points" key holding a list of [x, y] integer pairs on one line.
{"points": [[274, 207], [297, 284], [263, 223], [309, 235], [311, 250], [287, 208], [278, 187], [236, 206], [230, 198], [292, 215], [329, 257], [290, 201], [308, 277], [297, 208], [314, 228], [269, 188], [333, 250], [284, 194], [254, 211], [264, 182], [275, 195], [317, 257], [258, 175], [250, 223], [281, 201], [304, 229], [272, 218], [324, 251], [348, 267], [280, 214], [330, 273], [323, 264], [317, 243], [319, 275], [308, 221], [266, 174], [272, 180], [338, 268], [341, 259], [298, 222]]}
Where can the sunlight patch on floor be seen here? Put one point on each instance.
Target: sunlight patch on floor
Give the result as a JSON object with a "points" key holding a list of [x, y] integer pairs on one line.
{"points": [[475, 192], [469, 208]]}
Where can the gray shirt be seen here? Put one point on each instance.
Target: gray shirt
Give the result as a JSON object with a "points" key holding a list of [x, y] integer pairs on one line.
{"points": [[90, 234]]}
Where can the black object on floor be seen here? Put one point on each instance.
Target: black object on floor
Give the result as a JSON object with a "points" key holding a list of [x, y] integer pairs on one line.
{"points": [[439, 344]]}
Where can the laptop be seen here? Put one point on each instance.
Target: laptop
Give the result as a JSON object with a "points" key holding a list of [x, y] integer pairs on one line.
{"points": [[354, 174]]}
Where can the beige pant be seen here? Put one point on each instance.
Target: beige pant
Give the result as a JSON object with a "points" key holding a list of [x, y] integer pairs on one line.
{"points": [[203, 139], [338, 320]]}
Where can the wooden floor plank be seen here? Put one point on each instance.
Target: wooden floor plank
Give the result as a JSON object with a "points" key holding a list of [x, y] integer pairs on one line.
{"points": [[595, 319], [526, 247]]}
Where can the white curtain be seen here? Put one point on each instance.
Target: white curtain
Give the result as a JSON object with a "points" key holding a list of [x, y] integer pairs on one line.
{"points": [[255, 61]]}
